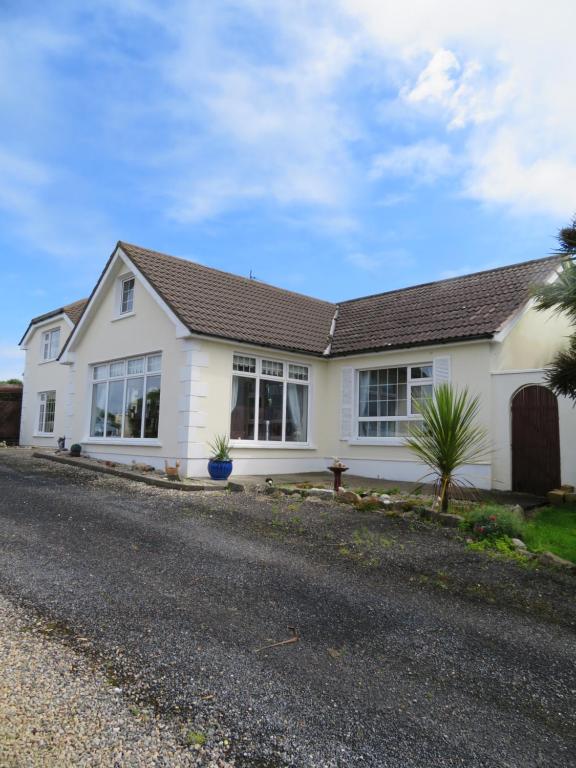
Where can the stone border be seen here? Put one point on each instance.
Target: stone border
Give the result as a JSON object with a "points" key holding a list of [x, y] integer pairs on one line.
{"points": [[159, 482]]}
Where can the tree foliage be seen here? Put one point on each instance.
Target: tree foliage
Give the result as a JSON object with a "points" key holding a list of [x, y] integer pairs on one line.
{"points": [[560, 296]]}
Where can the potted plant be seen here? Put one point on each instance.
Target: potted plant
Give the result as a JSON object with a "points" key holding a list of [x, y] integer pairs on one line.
{"points": [[220, 463], [75, 449]]}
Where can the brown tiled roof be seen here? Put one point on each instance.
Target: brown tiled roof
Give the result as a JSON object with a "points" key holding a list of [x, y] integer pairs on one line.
{"points": [[218, 304], [469, 307], [215, 303], [73, 310]]}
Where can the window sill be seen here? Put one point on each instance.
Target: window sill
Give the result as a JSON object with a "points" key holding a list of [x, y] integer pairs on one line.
{"points": [[143, 441], [123, 317], [378, 441], [48, 360], [271, 445], [43, 434]]}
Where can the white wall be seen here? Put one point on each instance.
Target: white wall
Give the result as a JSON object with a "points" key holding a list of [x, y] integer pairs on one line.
{"points": [[41, 376]]}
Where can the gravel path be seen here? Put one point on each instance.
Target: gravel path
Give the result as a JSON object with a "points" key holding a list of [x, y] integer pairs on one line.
{"points": [[414, 651], [57, 710]]}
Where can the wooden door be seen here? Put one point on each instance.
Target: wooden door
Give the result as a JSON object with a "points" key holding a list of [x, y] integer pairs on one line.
{"points": [[535, 440]]}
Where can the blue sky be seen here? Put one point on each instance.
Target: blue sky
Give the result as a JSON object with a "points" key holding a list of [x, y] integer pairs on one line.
{"points": [[336, 148]]}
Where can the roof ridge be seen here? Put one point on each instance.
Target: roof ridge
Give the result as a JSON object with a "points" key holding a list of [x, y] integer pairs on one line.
{"points": [[452, 279], [248, 280]]}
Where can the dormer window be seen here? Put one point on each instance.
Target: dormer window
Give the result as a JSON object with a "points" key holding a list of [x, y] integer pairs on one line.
{"points": [[51, 344], [127, 296]]}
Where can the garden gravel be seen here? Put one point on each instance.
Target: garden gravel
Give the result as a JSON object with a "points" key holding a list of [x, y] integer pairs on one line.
{"points": [[58, 710], [413, 650]]}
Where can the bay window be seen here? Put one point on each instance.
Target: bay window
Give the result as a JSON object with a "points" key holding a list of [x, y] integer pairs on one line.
{"points": [[269, 400], [126, 398], [389, 398]]}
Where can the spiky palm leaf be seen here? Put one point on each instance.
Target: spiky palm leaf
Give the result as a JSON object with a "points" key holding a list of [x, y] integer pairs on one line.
{"points": [[561, 294], [561, 374], [448, 436]]}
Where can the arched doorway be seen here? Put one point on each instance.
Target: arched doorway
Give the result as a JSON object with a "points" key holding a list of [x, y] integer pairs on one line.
{"points": [[535, 440]]}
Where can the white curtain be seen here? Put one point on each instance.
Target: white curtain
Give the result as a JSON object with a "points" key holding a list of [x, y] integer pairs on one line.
{"points": [[234, 392], [294, 402]]}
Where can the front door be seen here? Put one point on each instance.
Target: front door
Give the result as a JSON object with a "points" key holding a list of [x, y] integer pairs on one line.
{"points": [[535, 441]]}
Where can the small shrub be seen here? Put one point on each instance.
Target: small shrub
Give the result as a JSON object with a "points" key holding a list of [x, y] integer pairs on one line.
{"points": [[494, 522], [195, 738], [499, 547]]}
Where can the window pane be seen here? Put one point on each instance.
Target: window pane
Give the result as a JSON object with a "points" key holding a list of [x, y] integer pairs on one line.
{"points": [[54, 342], [243, 408], [154, 363], [272, 368], [98, 410], [117, 369], [152, 413], [100, 371], [244, 364], [127, 295], [270, 410], [50, 412], [297, 413], [115, 409], [299, 372], [133, 409], [421, 372], [420, 393], [135, 366], [41, 413], [367, 428]]}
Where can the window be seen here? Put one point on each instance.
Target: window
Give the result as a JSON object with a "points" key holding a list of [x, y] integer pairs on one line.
{"points": [[46, 412], [389, 398], [127, 296], [269, 400], [51, 344], [126, 398]]}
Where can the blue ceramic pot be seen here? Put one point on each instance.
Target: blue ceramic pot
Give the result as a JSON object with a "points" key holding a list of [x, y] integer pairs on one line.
{"points": [[219, 470]]}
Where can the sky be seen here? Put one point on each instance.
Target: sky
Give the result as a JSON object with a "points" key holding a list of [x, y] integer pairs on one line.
{"points": [[336, 148]]}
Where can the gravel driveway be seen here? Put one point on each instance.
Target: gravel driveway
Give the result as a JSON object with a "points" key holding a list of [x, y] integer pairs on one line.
{"points": [[414, 651]]}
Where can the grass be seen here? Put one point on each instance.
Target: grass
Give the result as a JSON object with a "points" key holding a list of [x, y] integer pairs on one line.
{"points": [[553, 529]]}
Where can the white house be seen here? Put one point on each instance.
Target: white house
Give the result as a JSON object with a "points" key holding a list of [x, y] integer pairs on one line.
{"points": [[166, 354]]}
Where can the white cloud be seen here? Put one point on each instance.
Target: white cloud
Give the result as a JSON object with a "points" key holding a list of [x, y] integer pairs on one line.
{"points": [[424, 162], [501, 74], [377, 262]]}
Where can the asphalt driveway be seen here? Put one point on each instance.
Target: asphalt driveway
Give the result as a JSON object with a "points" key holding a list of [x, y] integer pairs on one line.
{"points": [[414, 652]]}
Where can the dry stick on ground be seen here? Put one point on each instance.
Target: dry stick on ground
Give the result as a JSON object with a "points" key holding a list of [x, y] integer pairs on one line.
{"points": [[294, 639]]}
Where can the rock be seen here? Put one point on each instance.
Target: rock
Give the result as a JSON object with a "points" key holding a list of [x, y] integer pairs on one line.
{"points": [[288, 491], [235, 487], [518, 510], [321, 493], [313, 500], [449, 520], [348, 497], [385, 497], [549, 558], [555, 497], [518, 544], [442, 518]]}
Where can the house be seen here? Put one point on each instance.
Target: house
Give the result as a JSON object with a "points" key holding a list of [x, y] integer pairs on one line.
{"points": [[165, 354]]}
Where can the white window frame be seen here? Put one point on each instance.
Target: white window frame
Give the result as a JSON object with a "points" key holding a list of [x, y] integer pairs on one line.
{"points": [[129, 310], [286, 379], [41, 415], [410, 417], [48, 355], [124, 377]]}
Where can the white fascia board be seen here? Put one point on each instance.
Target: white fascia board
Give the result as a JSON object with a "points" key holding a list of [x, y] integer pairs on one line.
{"points": [[119, 256], [42, 324]]}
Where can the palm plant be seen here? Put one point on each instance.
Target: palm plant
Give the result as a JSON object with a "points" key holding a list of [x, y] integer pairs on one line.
{"points": [[220, 448], [448, 437], [561, 297]]}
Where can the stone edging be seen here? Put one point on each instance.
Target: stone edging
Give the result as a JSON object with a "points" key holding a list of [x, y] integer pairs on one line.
{"points": [[159, 482]]}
